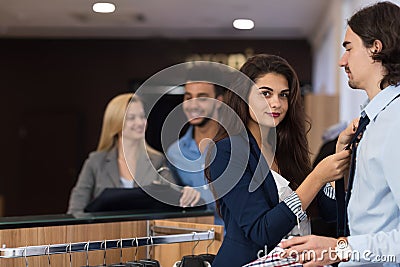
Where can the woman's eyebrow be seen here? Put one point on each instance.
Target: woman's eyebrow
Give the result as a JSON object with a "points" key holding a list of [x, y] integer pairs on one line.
{"points": [[266, 87], [270, 89]]}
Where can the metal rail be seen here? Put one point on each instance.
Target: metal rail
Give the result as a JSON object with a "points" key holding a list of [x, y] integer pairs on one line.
{"points": [[42, 250]]}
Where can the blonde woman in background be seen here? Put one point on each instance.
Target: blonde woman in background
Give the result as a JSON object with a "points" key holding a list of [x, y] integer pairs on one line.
{"points": [[107, 167]]}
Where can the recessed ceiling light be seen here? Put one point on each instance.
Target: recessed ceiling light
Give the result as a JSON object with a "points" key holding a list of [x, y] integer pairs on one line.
{"points": [[103, 7], [243, 24]]}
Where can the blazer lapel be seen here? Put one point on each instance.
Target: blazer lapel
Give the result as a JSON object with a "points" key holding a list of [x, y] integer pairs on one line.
{"points": [[261, 171], [111, 167], [143, 175]]}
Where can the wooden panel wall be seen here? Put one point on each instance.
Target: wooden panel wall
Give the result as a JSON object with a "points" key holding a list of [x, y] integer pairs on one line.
{"points": [[324, 112]]}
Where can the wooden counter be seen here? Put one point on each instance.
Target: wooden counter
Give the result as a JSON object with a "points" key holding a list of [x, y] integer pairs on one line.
{"points": [[92, 231]]}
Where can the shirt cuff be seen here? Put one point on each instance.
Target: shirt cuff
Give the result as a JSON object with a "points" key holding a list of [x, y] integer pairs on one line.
{"points": [[329, 191], [294, 204]]}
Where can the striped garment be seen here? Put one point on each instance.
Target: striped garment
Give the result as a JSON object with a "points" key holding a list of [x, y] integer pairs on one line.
{"points": [[274, 259]]}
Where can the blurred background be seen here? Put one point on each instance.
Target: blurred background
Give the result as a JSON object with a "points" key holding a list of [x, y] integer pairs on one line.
{"points": [[61, 62]]}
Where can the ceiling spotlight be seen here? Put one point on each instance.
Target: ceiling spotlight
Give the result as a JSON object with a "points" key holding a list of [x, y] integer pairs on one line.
{"points": [[243, 24], [103, 7]]}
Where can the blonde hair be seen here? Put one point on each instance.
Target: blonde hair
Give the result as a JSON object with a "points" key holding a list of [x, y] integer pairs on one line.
{"points": [[113, 120]]}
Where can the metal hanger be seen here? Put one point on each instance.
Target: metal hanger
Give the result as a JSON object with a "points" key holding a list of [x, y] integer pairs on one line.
{"points": [[70, 253], [209, 257], [120, 264], [48, 255], [149, 262], [86, 248], [104, 253], [212, 241], [193, 260], [26, 258], [195, 245], [135, 263]]}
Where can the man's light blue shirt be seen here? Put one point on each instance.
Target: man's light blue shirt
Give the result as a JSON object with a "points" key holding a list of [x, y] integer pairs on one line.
{"points": [[187, 161], [374, 206]]}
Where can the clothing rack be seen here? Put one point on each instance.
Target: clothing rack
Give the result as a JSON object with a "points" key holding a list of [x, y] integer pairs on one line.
{"points": [[104, 245]]}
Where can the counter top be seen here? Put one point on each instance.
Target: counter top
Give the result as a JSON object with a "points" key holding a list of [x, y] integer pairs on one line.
{"points": [[97, 217]]}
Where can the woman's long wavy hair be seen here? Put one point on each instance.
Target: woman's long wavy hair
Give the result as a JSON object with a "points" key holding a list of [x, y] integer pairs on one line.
{"points": [[113, 120], [292, 154], [381, 22]]}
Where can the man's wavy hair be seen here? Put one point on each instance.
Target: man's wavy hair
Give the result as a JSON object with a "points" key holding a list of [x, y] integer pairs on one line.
{"points": [[381, 22]]}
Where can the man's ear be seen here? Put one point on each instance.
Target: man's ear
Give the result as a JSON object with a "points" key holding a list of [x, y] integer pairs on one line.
{"points": [[377, 46], [221, 99]]}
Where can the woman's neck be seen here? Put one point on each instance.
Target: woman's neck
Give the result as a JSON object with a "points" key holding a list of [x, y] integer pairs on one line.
{"points": [[129, 149], [128, 153], [261, 134]]}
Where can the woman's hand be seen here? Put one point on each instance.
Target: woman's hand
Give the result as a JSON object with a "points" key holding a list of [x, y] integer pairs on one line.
{"points": [[346, 135], [333, 167], [329, 169], [190, 197]]}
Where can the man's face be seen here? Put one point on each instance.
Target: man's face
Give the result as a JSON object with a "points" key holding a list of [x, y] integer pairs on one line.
{"points": [[356, 61], [199, 103]]}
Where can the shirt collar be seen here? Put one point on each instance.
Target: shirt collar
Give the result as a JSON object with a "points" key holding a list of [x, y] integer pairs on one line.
{"points": [[188, 136], [380, 101], [188, 141]]}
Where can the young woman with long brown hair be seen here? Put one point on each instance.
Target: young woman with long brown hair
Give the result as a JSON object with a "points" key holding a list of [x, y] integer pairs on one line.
{"points": [[260, 169]]}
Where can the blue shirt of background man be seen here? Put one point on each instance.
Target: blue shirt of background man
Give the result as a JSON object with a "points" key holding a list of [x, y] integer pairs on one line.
{"points": [[188, 163]]}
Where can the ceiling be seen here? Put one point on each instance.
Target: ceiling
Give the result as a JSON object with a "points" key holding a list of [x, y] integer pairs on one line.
{"points": [[160, 18]]}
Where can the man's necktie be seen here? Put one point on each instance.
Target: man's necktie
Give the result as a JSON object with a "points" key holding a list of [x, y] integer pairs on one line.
{"points": [[342, 198]]}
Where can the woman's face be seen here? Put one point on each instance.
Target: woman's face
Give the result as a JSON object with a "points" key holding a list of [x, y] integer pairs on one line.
{"points": [[135, 122], [269, 101]]}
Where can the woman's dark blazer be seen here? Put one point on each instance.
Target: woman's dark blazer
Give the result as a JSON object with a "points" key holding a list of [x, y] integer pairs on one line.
{"points": [[255, 221]]}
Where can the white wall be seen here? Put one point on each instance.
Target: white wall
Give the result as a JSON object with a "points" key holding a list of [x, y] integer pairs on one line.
{"points": [[349, 99]]}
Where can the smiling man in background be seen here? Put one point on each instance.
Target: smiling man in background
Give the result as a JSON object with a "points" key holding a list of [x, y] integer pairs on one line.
{"points": [[201, 103]]}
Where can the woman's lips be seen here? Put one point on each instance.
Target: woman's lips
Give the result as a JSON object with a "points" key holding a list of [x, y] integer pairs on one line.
{"points": [[274, 114], [139, 130]]}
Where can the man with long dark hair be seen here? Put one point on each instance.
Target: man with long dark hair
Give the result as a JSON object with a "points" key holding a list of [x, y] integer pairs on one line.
{"points": [[372, 63]]}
